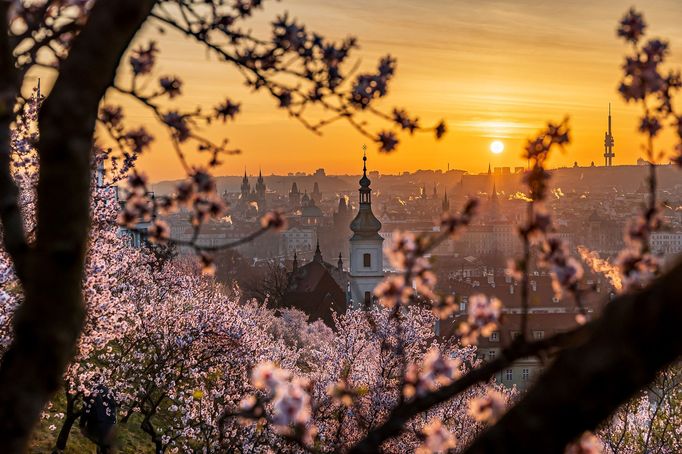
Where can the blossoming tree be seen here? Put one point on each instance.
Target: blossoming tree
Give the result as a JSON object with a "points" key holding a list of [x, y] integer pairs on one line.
{"points": [[396, 393]]}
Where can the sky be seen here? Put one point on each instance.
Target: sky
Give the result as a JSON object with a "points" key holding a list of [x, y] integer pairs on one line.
{"points": [[494, 70]]}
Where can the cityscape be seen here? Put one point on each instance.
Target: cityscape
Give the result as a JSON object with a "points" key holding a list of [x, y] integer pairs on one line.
{"points": [[323, 252]]}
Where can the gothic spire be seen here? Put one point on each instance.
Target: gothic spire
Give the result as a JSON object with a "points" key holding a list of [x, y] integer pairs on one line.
{"points": [[318, 253]]}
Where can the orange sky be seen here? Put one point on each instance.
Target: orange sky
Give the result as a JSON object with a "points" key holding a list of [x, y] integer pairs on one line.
{"points": [[491, 69]]}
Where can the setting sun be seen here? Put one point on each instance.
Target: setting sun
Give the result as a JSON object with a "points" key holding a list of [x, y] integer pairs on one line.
{"points": [[497, 147]]}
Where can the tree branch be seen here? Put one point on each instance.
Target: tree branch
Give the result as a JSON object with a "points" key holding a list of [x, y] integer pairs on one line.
{"points": [[13, 235], [397, 420], [634, 339]]}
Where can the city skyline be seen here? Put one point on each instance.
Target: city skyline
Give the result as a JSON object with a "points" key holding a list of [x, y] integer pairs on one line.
{"points": [[487, 81]]}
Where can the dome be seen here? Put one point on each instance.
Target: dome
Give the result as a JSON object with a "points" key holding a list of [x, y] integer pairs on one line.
{"points": [[364, 181], [365, 225], [311, 211]]}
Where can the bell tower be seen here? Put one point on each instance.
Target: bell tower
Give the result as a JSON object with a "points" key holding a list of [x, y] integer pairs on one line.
{"points": [[366, 247]]}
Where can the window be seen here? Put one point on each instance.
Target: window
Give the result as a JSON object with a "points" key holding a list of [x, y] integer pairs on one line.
{"points": [[368, 298], [367, 260], [537, 335], [524, 374], [495, 336], [508, 374]]}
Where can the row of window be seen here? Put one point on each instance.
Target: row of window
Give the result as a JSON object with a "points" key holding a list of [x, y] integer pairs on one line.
{"points": [[537, 335], [509, 374]]}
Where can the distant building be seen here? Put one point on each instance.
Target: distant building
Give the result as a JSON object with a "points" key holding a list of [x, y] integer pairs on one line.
{"points": [[666, 243], [294, 197], [311, 214], [297, 239], [608, 144], [252, 200], [316, 195], [547, 314]]}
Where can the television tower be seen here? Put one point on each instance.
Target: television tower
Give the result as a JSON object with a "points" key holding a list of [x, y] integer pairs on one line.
{"points": [[608, 144]]}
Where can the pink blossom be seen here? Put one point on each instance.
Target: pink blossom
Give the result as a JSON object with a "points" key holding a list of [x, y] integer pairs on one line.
{"points": [[437, 438], [488, 408]]}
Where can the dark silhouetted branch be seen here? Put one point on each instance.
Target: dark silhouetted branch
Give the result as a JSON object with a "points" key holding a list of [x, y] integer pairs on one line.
{"points": [[633, 340]]}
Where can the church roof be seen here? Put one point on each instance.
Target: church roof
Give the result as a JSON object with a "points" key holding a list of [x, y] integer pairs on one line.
{"points": [[365, 224], [317, 288]]}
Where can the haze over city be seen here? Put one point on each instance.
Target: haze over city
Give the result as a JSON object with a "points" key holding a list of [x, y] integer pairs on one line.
{"points": [[492, 70]]}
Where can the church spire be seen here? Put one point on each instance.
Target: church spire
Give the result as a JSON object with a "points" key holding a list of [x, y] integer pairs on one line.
{"points": [[245, 187], [493, 194], [318, 254]]}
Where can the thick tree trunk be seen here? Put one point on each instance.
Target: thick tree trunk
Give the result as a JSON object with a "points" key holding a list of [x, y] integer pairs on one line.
{"points": [[149, 429], [48, 322], [637, 336]]}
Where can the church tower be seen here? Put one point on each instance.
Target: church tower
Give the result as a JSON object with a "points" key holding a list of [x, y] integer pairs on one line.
{"points": [[245, 188], [260, 191], [366, 247]]}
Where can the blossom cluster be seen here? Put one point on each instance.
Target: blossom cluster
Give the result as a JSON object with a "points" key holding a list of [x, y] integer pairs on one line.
{"points": [[289, 397], [646, 81], [488, 408], [437, 370], [483, 318]]}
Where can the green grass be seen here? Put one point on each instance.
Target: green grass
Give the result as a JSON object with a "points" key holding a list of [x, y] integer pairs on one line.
{"points": [[130, 438]]}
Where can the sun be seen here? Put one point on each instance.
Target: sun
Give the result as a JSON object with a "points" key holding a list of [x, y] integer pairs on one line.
{"points": [[496, 147]]}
